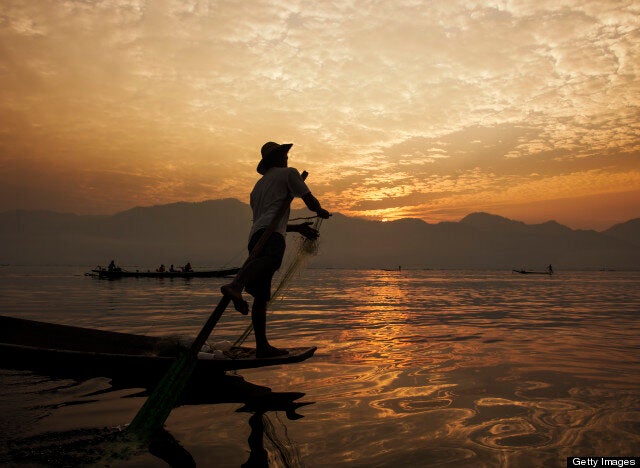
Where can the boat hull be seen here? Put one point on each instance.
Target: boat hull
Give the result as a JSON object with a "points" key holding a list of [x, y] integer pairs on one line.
{"points": [[64, 350], [525, 272], [106, 274]]}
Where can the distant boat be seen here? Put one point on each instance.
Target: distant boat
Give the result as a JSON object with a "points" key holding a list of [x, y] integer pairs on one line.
{"points": [[84, 352], [119, 273], [531, 272]]}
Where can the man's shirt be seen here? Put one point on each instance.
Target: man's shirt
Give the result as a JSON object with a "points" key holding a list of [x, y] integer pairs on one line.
{"points": [[270, 192]]}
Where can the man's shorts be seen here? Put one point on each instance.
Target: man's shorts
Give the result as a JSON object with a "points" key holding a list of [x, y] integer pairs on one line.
{"points": [[265, 264]]}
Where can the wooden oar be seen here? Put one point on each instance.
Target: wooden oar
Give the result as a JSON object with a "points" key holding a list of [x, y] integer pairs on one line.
{"points": [[155, 411]]}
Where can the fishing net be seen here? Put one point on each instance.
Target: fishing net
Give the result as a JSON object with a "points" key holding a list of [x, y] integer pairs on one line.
{"points": [[306, 249]]}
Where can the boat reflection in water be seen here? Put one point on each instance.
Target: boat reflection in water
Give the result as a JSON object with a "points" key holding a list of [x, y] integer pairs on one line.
{"points": [[257, 400], [104, 445]]}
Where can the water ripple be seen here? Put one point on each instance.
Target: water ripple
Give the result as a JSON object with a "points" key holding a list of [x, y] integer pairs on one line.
{"points": [[413, 368]]}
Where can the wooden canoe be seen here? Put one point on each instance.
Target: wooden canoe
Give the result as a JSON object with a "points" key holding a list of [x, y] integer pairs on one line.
{"points": [[529, 272], [71, 351], [116, 274]]}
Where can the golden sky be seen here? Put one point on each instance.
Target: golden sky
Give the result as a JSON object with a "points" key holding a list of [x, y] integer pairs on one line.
{"points": [[432, 109]]}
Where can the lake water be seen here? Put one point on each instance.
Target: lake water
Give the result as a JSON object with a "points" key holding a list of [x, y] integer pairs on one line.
{"points": [[413, 368]]}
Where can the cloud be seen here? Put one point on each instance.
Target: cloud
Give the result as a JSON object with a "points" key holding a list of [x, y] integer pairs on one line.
{"points": [[438, 97]]}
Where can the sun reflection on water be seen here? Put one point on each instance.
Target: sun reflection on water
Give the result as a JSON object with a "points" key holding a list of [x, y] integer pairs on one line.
{"points": [[420, 367]]}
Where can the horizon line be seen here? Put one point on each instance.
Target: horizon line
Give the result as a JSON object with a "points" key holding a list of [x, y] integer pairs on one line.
{"points": [[362, 218]]}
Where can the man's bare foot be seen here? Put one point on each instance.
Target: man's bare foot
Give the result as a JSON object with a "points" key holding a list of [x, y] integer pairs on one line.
{"points": [[270, 351], [236, 297]]}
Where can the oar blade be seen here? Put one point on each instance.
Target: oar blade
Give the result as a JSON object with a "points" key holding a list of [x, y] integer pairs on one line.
{"points": [[155, 411]]}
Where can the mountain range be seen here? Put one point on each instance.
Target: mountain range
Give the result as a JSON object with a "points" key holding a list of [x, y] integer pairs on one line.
{"points": [[214, 233]]}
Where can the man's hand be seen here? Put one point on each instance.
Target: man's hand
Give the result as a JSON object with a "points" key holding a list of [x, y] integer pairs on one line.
{"points": [[305, 229], [324, 214]]}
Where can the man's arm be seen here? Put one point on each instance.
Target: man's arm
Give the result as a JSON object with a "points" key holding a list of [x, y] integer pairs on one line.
{"points": [[314, 205], [305, 228], [298, 188]]}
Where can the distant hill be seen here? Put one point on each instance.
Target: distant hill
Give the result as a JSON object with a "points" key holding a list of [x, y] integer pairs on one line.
{"points": [[629, 231], [479, 240], [206, 233], [214, 233]]}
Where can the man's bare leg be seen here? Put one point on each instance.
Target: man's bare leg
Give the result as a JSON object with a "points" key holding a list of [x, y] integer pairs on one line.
{"points": [[259, 320], [233, 291]]}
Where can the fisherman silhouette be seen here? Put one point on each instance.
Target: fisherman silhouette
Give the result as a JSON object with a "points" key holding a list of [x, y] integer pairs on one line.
{"points": [[278, 184]]}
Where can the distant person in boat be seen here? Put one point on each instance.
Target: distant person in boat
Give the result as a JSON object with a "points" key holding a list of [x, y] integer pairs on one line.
{"points": [[187, 268], [171, 269], [112, 266], [161, 268], [278, 183]]}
